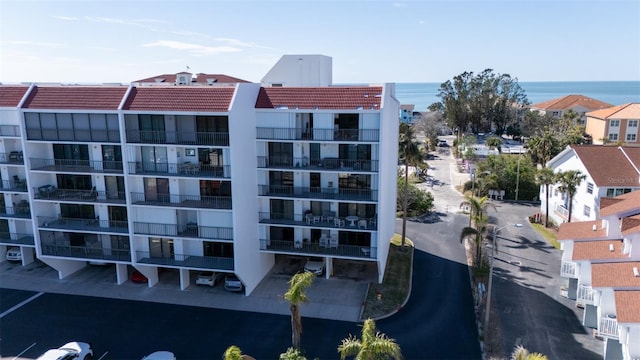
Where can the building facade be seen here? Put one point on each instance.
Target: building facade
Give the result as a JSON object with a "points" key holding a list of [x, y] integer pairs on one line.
{"points": [[197, 176], [618, 124], [579, 104]]}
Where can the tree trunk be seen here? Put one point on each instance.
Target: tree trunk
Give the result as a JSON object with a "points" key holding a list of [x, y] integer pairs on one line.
{"points": [[405, 204], [570, 207], [546, 213], [478, 252], [296, 326]]}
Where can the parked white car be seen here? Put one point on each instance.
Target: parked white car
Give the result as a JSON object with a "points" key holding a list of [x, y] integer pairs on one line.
{"points": [[208, 278], [232, 283], [160, 355], [14, 254], [315, 265], [73, 350]]}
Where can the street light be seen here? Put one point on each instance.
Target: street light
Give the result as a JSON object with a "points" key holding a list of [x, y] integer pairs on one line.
{"points": [[493, 254]]}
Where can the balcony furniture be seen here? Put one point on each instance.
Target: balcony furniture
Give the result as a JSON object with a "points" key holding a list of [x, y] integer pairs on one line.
{"points": [[92, 195], [308, 217], [333, 242], [362, 224], [323, 240], [373, 221], [16, 156], [46, 191], [366, 251], [352, 220], [328, 216], [317, 219], [297, 243], [337, 222], [20, 183]]}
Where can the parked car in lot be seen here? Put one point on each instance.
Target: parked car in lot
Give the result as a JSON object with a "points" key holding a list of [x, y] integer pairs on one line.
{"points": [[314, 265], [208, 278], [160, 355], [137, 277], [14, 254], [232, 283], [73, 350]]}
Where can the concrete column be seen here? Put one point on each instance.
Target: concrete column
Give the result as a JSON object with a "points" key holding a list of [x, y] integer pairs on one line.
{"points": [[185, 280], [122, 275]]}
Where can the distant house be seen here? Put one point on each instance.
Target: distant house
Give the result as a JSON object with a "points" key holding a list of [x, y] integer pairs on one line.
{"points": [[601, 260], [578, 103], [615, 124], [186, 78], [406, 113], [610, 171]]}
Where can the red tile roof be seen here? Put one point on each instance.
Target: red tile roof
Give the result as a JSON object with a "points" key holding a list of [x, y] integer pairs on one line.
{"points": [[75, 97], [630, 225], [627, 306], [633, 153], [598, 250], [630, 202], [570, 101], [199, 79], [626, 111], [608, 165], [617, 275], [176, 98], [347, 97], [10, 96], [582, 230]]}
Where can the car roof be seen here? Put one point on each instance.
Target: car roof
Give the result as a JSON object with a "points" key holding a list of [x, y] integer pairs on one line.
{"points": [[53, 354]]}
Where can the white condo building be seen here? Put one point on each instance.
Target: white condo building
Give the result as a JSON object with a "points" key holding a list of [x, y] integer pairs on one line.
{"points": [[200, 173]]}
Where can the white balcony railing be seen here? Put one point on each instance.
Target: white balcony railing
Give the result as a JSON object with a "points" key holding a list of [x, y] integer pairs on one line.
{"points": [[608, 327], [562, 211], [569, 269], [585, 295]]}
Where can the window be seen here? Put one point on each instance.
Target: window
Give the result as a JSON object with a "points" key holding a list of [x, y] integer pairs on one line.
{"points": [[617, 192], [556, 113], [632, 123], [631, 137], [614, 123], [613, 137], [587, 211], [589, 188]]}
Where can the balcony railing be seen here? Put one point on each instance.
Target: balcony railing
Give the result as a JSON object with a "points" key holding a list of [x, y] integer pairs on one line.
{"points": [[16, 238], [186, 201], [190, 261], [51, 193], [10, 130], [180, 169], [78, 166], [20, 211], [585, 295], [562, 211], [111, 226], [330, 164], [315, 248], [187, 231], [318, 193], [14, 157], [608, 326], [83, 252], [569, 269], [317, 221], [359, 135], [93, 135], [179, 137], [20, 186]]}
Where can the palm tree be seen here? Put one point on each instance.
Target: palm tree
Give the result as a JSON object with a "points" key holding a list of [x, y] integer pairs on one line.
{"points": [[477, 234], [546, 177], [234, 353], [409, 152], [477, 206], [373, 345], [296, 296], [494, 142], [292, 354], [521, 353], [569, 182]]}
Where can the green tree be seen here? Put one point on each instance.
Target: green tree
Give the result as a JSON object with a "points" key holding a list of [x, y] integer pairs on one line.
{"points": [[373, 345], [546, 177], [521, 353], [477, 207], [234, 353], [477, 234], [296, 296], [292, 354], [494, 142], [543, 148], [418, 201], [569, 182], [410, 154]]}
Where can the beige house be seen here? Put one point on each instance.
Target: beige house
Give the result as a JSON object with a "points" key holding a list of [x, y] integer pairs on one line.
{"points": [[615, 124], [579, 103]]}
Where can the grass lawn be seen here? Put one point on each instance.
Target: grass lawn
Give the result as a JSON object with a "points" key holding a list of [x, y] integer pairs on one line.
{"points": [[547, 234], [387, 297]]}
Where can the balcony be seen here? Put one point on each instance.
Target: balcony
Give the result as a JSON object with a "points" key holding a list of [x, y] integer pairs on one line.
{"points": [[89, 253], [49, 192], [318, 193], [188, 261], [180, 169], [8, 238], [12, 158], [315, 248], [344, 135], [178, 138], [608, 326], [20, 211], [13, 186], [185, 231], [569, 269], [79, 135], [183, 201], [585, 295], [10, 130], [328, 164], [562, 211], [323, 222], [96, 225], [77, 166]]}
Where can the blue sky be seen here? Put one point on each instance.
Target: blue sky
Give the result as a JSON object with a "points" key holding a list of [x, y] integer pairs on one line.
{"points": [[370, 41]]}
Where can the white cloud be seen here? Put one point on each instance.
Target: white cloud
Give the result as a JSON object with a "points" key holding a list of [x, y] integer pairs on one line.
{"points": [[35, 43], [240, 43], [194, 49], [65, 18]]}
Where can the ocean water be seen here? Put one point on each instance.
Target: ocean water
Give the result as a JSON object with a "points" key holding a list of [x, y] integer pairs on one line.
{"points": [[613, 92]]}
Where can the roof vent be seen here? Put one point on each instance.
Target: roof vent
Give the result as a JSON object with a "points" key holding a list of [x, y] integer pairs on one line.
{"points": [[595, 227], [611, 247], [636, 273]]}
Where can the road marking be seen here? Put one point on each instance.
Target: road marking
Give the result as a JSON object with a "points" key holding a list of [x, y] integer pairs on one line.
{"points": [[24, 351], [103, 355], [21, 304]]}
